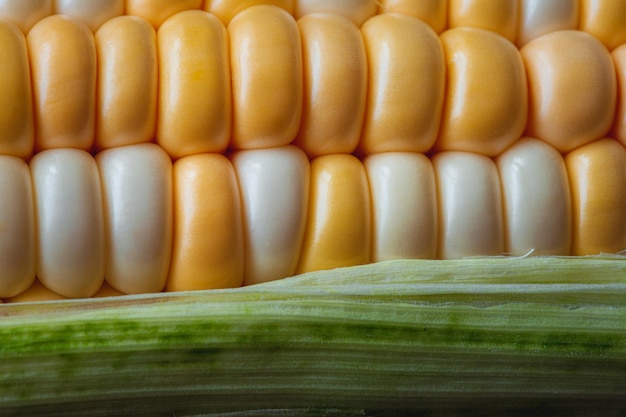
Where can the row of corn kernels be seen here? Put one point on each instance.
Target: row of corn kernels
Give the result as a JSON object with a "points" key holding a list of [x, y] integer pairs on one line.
{"points": [[517, 20], [321, 82], [131, 218], [572, 218]]}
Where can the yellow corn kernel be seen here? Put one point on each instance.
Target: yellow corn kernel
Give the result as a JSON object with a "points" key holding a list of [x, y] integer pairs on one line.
{"points": [[597, 174], [25, 13], [536, 199], [137, 194], [107, 291], [605, 20], [127, 82], [470, 205], [274, 188], [92, 12], [485, 109], [338, 231], [158, 11], [266, 67], [35, 292], [356, 10], [70, 222], [404, 206], [194, 114], [406, 84], [63, 64], [16, 118], [539, 17], [335, 84], [208, 246], [499, 16], [225, 10], [432, 12], [619, 123], [572, 88], [17, 217]]}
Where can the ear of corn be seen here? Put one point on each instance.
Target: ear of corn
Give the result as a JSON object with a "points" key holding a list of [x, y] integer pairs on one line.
{"points": [[151, 147]]}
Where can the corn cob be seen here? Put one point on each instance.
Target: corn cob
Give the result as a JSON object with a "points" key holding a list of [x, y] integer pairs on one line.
{"points": [[400, 149]]}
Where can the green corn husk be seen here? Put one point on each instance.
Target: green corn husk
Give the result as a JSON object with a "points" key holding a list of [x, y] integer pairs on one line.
{"points": [[474, 337]]}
